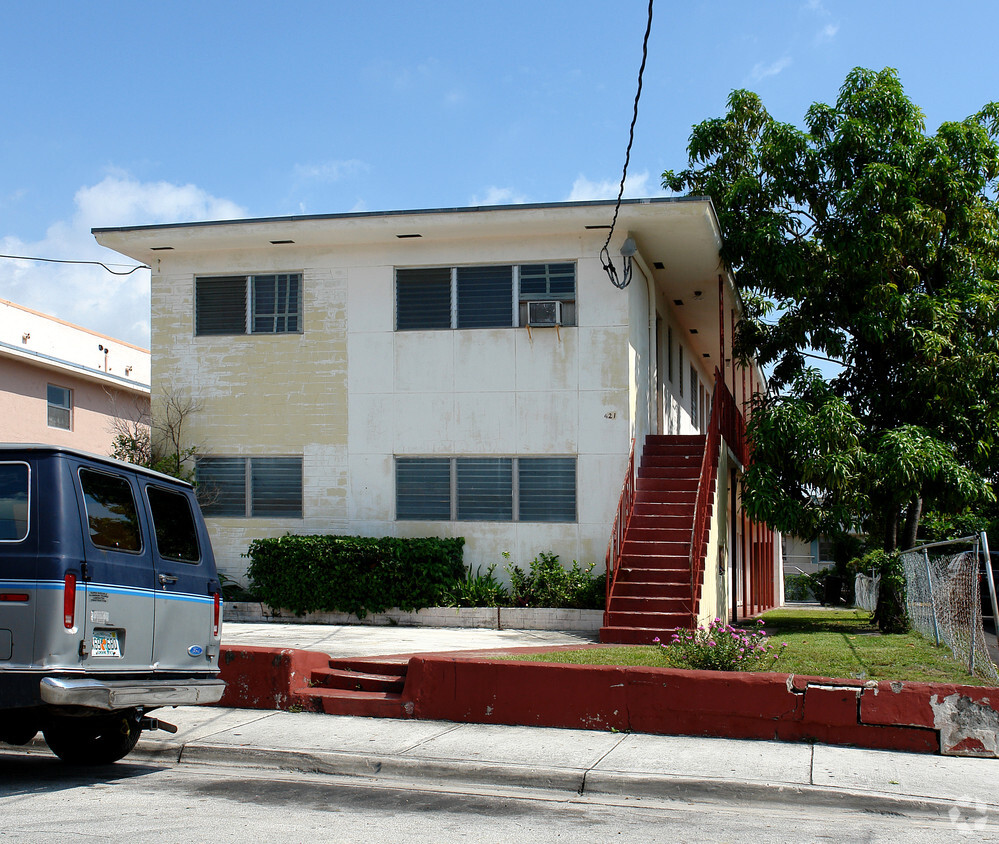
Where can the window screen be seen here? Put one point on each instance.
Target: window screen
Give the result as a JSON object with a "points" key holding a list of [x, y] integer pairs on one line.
{"points": [[485, 297], [276, 304], [111, 513], [423, 299], [277, 486], [485, 489], [13, 502], [221, 485], [220, 305], [173, 525], [60, 407], [423, 488], [547, 488]]}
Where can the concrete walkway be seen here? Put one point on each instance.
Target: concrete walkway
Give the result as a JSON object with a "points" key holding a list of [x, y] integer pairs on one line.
{"points": [[357, 640]]}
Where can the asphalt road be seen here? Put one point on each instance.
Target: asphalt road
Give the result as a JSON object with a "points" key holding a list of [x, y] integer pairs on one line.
{"points": [[41, 799]]}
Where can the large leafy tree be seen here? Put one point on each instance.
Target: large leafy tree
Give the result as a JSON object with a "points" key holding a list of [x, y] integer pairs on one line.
{"points": [[864, 240]]}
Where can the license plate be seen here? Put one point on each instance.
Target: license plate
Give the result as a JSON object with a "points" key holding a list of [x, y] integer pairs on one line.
{"points": [[106, 644]]}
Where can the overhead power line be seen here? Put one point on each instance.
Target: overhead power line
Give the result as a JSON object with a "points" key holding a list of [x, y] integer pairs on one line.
{"points": [[67, 261], [605, 258]]}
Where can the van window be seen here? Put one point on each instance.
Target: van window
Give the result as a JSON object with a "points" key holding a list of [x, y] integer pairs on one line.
{"points": [[13, 501], [111, 513], [173, 524]]}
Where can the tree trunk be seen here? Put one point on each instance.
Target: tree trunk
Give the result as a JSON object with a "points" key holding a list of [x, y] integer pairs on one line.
{"points": [[912, 523], [891, 529]]}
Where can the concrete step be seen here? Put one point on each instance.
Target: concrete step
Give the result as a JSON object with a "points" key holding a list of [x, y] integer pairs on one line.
{"points": [[647, 604], [350, 680], [649, 620], [646, 508], [656, 443], [638, 548], [671, 486], [680, 463], [654, 575], [364, 704], [640, 533], [651, 589], [612, 635]]}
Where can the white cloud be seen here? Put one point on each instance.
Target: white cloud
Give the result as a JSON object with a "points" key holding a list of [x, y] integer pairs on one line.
{"points": [[762, 71], [330, 171], [583, 189], [499, 196], [89, 295], [828, 32]]}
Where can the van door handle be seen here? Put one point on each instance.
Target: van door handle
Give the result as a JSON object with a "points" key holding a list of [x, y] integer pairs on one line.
{"points": [[167, 578]]}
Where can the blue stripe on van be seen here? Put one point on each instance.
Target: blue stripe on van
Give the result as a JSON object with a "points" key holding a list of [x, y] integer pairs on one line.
{"points": [[27, 585]]}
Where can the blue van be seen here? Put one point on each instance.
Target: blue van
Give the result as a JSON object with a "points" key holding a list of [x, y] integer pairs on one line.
{"points": [[110, 604]]}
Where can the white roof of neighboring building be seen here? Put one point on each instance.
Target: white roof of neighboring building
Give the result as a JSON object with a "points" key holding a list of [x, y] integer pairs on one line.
{"points": [[55, 344]]}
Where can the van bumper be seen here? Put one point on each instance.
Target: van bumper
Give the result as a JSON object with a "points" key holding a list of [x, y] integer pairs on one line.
{"points": [[125, 694]]}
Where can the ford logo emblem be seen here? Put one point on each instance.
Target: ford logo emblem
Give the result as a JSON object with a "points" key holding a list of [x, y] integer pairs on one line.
{"points": [[195, 650]]}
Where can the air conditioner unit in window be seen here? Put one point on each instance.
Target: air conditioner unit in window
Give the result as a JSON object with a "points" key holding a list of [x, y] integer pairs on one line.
{"points": [[544, 313]]}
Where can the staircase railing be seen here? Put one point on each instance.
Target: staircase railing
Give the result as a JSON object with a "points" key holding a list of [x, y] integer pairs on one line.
{"points": [[724, 422], [625, 505]]}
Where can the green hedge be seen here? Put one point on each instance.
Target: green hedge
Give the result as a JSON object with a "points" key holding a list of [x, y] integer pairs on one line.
{"points": [[353, 574]]}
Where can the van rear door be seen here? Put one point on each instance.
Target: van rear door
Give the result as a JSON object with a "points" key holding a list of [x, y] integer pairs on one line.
{"points": [[185, 636], [118, 582]]}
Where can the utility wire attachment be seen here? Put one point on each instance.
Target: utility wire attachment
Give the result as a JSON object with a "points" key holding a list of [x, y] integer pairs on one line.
{"points": [[625, 279], [67, 261]]}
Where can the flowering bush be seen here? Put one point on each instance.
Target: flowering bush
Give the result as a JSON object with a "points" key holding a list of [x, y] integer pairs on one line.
{"points": [[721, 647]]}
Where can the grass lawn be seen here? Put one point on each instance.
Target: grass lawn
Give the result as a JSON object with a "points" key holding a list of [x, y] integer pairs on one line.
{"points": [[841, 644]]}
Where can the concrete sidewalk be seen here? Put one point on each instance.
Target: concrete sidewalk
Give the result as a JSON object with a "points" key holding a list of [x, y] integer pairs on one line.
{"points": [[442, 754], [448, 755]]}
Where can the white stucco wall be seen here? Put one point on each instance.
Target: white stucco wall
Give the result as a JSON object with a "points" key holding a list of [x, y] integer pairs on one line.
{"points": [[350, 393]]}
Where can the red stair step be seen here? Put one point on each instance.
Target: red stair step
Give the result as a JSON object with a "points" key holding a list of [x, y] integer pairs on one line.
{"points": [[648, 604], [650, 620], [364, 704], [650, 589], [634, 635], [345, 679]]}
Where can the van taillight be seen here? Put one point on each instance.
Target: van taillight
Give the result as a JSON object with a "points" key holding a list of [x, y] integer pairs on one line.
{"points": [[218, 613], [69, 602]]}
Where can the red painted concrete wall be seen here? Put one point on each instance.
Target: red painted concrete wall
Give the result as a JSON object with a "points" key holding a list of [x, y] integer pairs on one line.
{"points": [[266, 678], [920, 717]]}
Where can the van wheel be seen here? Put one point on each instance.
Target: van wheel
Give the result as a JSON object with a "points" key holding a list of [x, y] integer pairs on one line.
{"points": [[18, 733], [93, 741]]}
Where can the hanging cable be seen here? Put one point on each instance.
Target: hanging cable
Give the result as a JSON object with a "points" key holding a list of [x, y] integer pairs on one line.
{"points": [[67, 261], [605, 258]]}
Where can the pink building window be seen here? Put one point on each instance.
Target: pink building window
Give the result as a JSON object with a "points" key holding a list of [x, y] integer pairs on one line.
{"points": [[60, 413]]}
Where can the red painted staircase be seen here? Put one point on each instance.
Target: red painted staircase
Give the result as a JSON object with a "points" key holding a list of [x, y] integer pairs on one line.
{"points": [[369, 687], [652, 590]]}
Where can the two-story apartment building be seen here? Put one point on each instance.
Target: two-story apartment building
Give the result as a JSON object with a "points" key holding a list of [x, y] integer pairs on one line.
{"points": [[459, 372], [66, 385]]}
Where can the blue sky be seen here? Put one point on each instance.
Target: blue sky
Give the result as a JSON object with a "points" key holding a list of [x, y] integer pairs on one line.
{"points": [[136, 113]]}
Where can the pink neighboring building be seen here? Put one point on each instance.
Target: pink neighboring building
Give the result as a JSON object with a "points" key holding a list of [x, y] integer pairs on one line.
{"points": [[63, 384]]}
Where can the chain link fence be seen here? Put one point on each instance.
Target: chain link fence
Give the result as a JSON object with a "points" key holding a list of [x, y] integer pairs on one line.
{"points": [[944, 600]]}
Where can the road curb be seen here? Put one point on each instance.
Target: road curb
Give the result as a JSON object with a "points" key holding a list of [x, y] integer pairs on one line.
{"points": [[576, 781]]}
